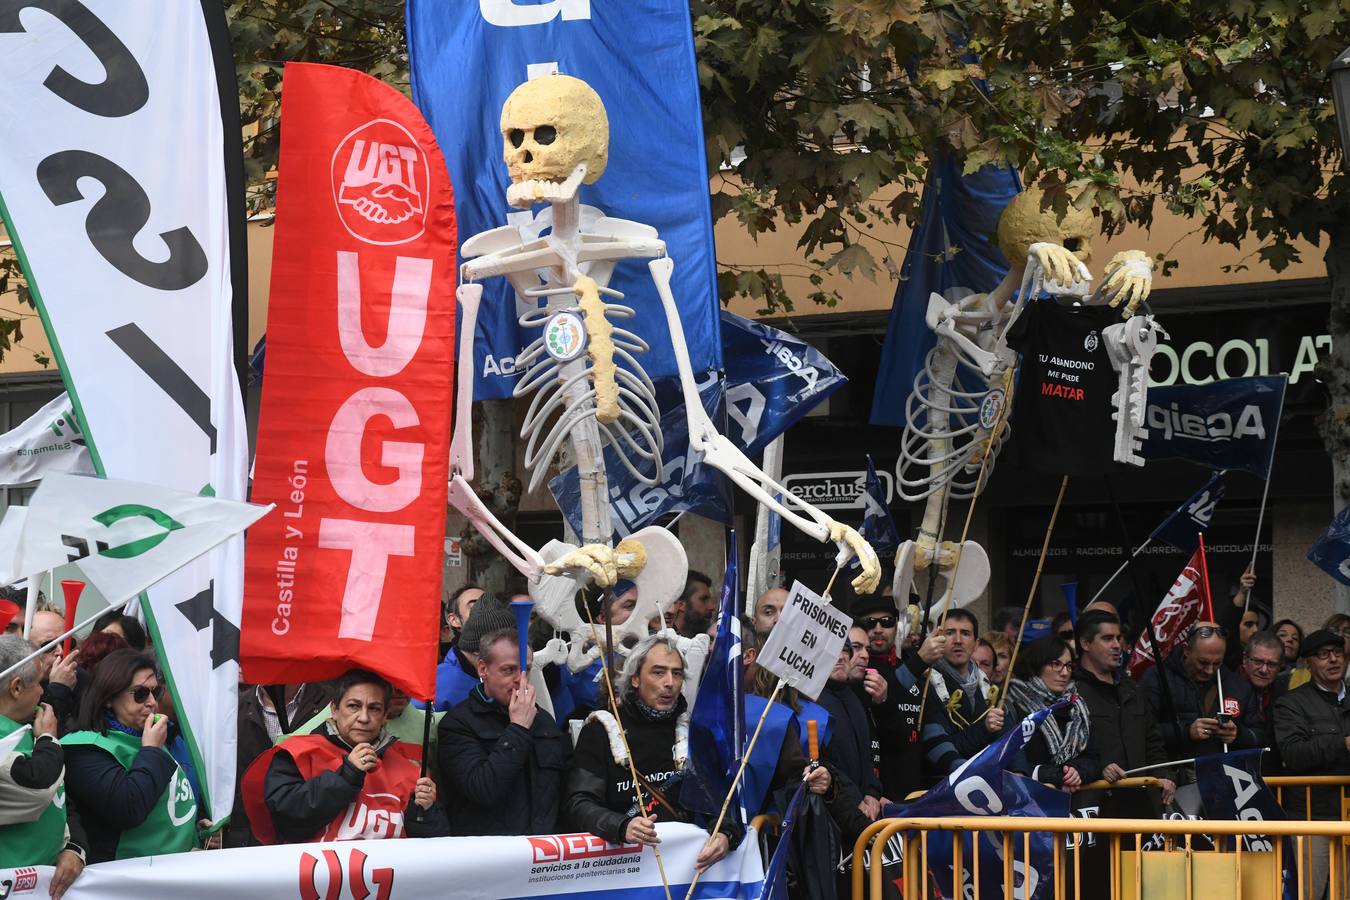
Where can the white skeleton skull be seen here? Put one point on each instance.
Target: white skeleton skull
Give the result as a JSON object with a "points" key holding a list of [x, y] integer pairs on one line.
{"points": [[555, 135]]}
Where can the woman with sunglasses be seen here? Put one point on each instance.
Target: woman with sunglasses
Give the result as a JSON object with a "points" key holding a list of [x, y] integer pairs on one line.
{"points": [[133, 796], [1058, 753]]}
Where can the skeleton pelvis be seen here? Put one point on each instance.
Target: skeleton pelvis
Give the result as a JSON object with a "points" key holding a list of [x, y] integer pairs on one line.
{"points": [[972, 575]]}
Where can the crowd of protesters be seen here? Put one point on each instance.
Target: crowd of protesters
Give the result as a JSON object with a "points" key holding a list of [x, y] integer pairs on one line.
{"points": [[103, 773]]}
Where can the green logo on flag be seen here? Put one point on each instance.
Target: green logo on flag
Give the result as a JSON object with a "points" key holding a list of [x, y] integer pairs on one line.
{"points": [[109, 517]]}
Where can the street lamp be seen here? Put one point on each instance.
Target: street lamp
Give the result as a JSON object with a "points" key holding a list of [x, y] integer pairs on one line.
{"points": [[1339, 72]]}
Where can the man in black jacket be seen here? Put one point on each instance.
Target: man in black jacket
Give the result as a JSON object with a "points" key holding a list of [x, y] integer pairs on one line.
{"points": [[1312, 725], [960, 717], [1205, 722], [851, 737], [1123, 730], [501, 755], [897, 715], [600, 792]]}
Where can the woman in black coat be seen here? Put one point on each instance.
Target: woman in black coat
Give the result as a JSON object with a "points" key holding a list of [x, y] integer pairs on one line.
{"points": [[1059, 752]]}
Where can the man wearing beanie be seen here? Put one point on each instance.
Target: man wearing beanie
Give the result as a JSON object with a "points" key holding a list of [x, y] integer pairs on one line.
{"points": [[457, 675], [1312, 725], [897, 717]]}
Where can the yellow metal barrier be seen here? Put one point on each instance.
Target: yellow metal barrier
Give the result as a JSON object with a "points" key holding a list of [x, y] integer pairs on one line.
{"points": [[1146, 875]]}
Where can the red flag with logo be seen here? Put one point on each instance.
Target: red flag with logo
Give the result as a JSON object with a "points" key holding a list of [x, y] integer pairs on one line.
{"points": [[1179, 610], [354, 431]]}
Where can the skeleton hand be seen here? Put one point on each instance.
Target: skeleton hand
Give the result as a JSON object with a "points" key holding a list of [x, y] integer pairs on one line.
{"points": [[597, 559], [605, 564], [1128, 277], [1059, 264], [851, 541]]}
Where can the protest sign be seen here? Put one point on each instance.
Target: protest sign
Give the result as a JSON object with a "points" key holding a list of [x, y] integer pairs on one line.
{"points": [[477, 868], [354, 432], [804, 645]]}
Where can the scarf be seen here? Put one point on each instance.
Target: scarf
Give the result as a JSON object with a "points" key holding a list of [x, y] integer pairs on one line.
{"points": [[651, 713], [1065, 742]]}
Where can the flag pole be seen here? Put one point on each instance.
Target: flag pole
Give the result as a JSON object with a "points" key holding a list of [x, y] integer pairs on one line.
{"points": [[1117, 573], [61, 637], [623, 737], [737, 780], [1265, 491], [1209, 607], [1169, 705], [1031, 594], [31, 602]]}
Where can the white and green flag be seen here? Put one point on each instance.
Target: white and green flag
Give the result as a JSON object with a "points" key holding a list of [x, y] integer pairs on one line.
{"points": [[123, 195], [50, 440], [122, 535]]}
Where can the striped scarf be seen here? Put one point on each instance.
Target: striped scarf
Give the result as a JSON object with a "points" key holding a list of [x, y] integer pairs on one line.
{"points": [[1064, 741]]}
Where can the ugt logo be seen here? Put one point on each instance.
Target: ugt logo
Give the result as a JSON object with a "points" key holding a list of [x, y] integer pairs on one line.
{"points": [[380, 183], [330, 877]]}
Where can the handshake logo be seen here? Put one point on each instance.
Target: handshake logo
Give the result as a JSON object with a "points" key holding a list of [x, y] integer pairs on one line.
{"points": [[380, 183]]}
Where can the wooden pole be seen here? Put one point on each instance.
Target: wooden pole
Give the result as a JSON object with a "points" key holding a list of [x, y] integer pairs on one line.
{"points": [[1031, 594], [737, 780], [623, 737]]}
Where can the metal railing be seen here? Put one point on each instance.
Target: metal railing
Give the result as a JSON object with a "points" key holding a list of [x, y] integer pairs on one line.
{"points": [[1228, 869]]}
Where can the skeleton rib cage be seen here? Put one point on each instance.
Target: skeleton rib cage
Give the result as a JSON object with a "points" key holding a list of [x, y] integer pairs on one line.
{"points": [[565, 395]]}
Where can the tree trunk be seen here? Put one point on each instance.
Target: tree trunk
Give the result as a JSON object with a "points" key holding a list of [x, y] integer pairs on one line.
{"points": [[498, 487], [1334, 372]]}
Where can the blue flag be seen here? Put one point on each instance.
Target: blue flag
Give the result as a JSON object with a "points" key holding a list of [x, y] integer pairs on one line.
{"points": [[1230, 424], [467, 57], [773, 379], [1231, 788], [950, 248], [878, 524], [982, 786], [716, 724], [1331, 553], [1189, 520], [775, 876]]}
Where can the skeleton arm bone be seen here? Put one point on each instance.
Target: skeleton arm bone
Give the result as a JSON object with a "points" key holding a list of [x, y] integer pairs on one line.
{"points": [[461, 442], [524, 558], [721, 454]]}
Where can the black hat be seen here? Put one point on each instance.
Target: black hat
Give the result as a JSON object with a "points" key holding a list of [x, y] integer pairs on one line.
{"points": [[871, 603], [488, 615], [1319, 639]]}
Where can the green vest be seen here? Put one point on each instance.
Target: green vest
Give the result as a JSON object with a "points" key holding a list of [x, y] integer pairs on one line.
{"points": [[171, 826], [39, 842]]}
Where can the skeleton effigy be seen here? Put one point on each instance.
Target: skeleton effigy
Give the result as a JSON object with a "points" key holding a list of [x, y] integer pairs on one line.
{"points": [[956, 415], [587, 388]]}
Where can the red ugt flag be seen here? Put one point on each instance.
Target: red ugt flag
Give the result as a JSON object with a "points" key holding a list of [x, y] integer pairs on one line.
{"points": [[354, 431], [1179, 610]]}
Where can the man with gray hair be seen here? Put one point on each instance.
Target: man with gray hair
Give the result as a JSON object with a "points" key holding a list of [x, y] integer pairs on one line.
{"points": [[34, 830], [653, 717]]}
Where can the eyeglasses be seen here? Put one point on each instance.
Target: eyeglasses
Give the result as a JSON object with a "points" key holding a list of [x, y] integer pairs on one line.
{"points": [[1262, 663], [871, 622], [1204, 631], [1326, 653], [140, 693], [1060, 665]]}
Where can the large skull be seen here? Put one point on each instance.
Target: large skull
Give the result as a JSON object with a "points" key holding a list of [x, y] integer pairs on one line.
{"points": [[1024, 223], [550, 126]]}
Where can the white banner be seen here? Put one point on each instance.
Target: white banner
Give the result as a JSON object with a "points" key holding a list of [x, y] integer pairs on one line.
{"points": [[122, 535], [113, 186], [50, 440], [803, 647], [481, 868]]}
